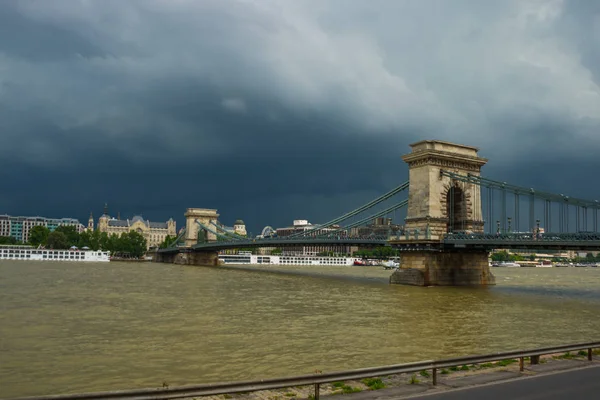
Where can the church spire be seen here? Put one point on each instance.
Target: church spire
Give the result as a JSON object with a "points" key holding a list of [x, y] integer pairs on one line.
{"points": [[91, 222]]}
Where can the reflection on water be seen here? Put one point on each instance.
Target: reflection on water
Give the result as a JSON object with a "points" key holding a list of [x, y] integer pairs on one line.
{"points": [[68, 327]]}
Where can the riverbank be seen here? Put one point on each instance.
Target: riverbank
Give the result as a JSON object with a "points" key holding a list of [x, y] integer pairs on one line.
{"points": [[407, 385]]}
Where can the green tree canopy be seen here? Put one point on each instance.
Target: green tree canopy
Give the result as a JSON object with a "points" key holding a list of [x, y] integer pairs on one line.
{"points": [[167, 242], [131, 243], [57, 240], [38, 235], [378, 252], [71, 234], [7, 240]]}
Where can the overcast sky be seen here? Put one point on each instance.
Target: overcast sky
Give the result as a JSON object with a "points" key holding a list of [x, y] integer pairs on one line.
{"points": [[273, 110]]}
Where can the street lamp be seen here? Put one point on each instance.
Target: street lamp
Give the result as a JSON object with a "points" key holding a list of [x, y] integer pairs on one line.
{"points": [[509, 220], [498, 227]]}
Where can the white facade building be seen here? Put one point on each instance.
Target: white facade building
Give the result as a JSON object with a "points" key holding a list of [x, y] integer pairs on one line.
{"points": [[19, 227]]}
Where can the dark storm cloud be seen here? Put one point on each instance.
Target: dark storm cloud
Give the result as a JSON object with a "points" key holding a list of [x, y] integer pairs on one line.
{"points": [[271, 110], [38, 41]]}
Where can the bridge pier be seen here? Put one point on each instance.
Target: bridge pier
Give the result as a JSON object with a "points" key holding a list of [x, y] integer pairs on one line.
{"points": [[444, 268], [205, 258], [164, 257]]}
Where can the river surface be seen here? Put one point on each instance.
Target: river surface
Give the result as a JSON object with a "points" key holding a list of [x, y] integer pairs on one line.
{"points": [[75, 327]]}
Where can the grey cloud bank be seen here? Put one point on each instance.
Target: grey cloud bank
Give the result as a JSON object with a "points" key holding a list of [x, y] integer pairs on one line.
{"points": [[273, 110]]}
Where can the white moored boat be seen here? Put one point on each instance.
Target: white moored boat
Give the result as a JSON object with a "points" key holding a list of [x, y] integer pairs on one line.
{"points": [[31, 253], [254, 259]]}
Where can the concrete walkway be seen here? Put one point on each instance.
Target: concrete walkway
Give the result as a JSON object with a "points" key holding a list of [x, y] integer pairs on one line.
{"points": [[577, 378]]}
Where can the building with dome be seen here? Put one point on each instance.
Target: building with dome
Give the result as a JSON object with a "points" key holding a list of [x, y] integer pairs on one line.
{"points": [[239, 227], [154, 232]]}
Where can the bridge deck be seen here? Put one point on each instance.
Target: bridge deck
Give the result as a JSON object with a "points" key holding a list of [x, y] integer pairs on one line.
{"points": [[457, 242]]}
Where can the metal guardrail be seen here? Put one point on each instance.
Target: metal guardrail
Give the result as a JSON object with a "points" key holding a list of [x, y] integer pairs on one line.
{"points": [[318, 379]]}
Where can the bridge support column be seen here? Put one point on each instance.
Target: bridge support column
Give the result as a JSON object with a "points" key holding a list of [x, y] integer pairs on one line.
{"points": [[443, 268], [204, 258], [164, 257]]}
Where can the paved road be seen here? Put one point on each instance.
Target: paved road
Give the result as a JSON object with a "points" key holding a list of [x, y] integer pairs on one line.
{"points": [[582, 383]]}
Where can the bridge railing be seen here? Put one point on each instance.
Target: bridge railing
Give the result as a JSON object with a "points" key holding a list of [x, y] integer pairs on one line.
{"points": [[316, 380], [299, 241], [524, 236]]}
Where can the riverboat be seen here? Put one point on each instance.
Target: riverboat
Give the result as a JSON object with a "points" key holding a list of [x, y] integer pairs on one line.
{"points": [[257, 259], [31, 253], [506, 264]]}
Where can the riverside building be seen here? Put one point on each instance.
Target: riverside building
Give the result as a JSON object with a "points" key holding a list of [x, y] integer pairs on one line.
{"points": [[154, 232], [19, 227]]}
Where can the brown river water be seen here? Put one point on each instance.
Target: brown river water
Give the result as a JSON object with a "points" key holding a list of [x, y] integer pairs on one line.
{"points": [[78, 327]]}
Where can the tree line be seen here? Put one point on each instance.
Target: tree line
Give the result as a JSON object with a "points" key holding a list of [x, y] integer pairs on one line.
{"points": [[506, 256], [379, 253], [65, 237]]}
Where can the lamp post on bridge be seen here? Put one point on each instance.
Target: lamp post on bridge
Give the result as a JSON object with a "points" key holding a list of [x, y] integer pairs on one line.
{"points": [[497, 227], [509, 221], [537, 228]]}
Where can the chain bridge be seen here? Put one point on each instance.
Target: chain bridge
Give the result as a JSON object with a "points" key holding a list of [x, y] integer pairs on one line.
{"points": [[452, 218]]}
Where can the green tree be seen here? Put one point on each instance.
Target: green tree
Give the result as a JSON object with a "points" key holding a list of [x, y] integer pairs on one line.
{"points": [[167, 242], [500, 256], [104, 242], [91, 239], [71, 234], [112, 243], [85, 239], [57, 240], [7, 240], [38, 235], [134, 243]]}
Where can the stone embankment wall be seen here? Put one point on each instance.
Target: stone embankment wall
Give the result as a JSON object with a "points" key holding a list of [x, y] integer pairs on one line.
{"points": [[444, 269]]}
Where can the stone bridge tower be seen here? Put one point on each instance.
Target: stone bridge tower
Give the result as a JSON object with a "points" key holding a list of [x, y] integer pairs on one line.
{"points": [[436, 203], [192, 229]]}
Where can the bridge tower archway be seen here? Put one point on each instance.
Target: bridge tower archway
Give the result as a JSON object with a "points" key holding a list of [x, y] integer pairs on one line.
{"points": [[192, 230], [456, 208], [436, 203]]}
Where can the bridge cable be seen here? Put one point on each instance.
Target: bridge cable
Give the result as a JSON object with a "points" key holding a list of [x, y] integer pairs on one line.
{"points": [[227, 233], [217, 234], [486, 182], [369, 218], [352, 213]]}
